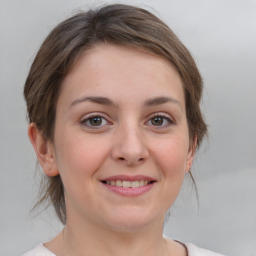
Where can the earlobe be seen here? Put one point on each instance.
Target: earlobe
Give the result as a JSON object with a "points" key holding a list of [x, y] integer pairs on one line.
{"points": [[191, 155], [44, 151]]}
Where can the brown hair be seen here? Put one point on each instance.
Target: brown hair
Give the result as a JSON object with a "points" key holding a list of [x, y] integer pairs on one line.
{"points": [[116, 24]]}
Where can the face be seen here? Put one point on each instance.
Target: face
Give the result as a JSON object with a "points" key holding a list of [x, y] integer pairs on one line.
{"points": [[121, 141]]}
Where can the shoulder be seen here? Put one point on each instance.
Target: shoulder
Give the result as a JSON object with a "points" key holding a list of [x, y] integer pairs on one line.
{"points": [[39, 250], [196, 251]]}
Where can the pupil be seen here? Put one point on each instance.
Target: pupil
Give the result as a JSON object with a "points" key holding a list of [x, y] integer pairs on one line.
{"points": [[95, 121], [157, 121]]}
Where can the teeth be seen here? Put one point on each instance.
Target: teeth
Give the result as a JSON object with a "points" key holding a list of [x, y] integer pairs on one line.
{"points": [[142, 182], [119, 183], [135, 184], [127, 183]]}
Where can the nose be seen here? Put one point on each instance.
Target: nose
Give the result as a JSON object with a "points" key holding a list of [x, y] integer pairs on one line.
{"points": [[129, 147]]}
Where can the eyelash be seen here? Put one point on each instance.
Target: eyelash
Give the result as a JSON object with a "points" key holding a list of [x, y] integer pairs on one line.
{"points": [[90, 118], [165, 118], [103, 119]]}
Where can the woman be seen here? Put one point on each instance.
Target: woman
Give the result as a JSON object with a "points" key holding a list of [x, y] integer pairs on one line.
{"points": [[113, 104]]}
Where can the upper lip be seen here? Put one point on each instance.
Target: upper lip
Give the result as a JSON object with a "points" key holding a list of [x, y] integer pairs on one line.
{"points": [[128, 178]]}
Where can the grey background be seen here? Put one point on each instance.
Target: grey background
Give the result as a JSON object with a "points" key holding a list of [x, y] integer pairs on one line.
{"points": [[221, 35]]}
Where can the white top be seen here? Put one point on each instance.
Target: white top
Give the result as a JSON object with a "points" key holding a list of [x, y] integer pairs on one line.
{"points": [[193, 250]]}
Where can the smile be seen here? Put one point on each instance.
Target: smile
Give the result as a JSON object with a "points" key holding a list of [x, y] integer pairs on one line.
{"points": [[127, 183]]}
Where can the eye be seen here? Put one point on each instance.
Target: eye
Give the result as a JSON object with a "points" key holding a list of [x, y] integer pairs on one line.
{"points": [[160, 121], [94, 121]]}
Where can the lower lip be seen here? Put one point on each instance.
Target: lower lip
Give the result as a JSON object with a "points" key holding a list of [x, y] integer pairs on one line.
{"points": [[129, 191]]}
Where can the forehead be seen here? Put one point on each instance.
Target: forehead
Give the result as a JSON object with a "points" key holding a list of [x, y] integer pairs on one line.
{"points": [[119, 70], [123, 56]]}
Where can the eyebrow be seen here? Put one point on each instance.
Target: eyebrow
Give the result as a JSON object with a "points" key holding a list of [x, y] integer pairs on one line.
{"points": [[108, 102], [162, 100], [95, 99]]}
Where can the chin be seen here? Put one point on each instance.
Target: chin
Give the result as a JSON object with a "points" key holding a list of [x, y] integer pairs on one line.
{"points": [[130, 220]]}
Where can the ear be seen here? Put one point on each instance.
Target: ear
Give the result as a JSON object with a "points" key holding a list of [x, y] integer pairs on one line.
{"points": [[191, 155], [44, 151]]}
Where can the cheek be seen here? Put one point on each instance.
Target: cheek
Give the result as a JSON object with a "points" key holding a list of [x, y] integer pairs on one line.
{"points": [[171, 155], [171, 158], [80, 155]]}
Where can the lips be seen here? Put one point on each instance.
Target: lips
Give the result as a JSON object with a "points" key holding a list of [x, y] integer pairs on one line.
{"points": [[129, 185]]}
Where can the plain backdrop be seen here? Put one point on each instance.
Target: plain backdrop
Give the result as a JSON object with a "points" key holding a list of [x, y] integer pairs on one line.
{"points": [[221, 35]]}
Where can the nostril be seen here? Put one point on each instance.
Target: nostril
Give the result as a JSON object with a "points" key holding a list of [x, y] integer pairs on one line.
{"points": [[123, 159]]}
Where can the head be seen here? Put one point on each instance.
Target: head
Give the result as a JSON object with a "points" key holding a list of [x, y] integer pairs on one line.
{"points": [[119, 25]]}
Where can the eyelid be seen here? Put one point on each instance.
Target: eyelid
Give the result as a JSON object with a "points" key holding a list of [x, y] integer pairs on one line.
{"points": [[167, 117], [87, 117]]}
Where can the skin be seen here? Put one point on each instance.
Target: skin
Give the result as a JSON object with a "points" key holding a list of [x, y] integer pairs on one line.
{"points": [[127, 141]]}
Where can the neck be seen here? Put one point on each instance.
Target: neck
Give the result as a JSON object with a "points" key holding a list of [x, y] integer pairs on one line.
{"points": [[91, 240]]}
